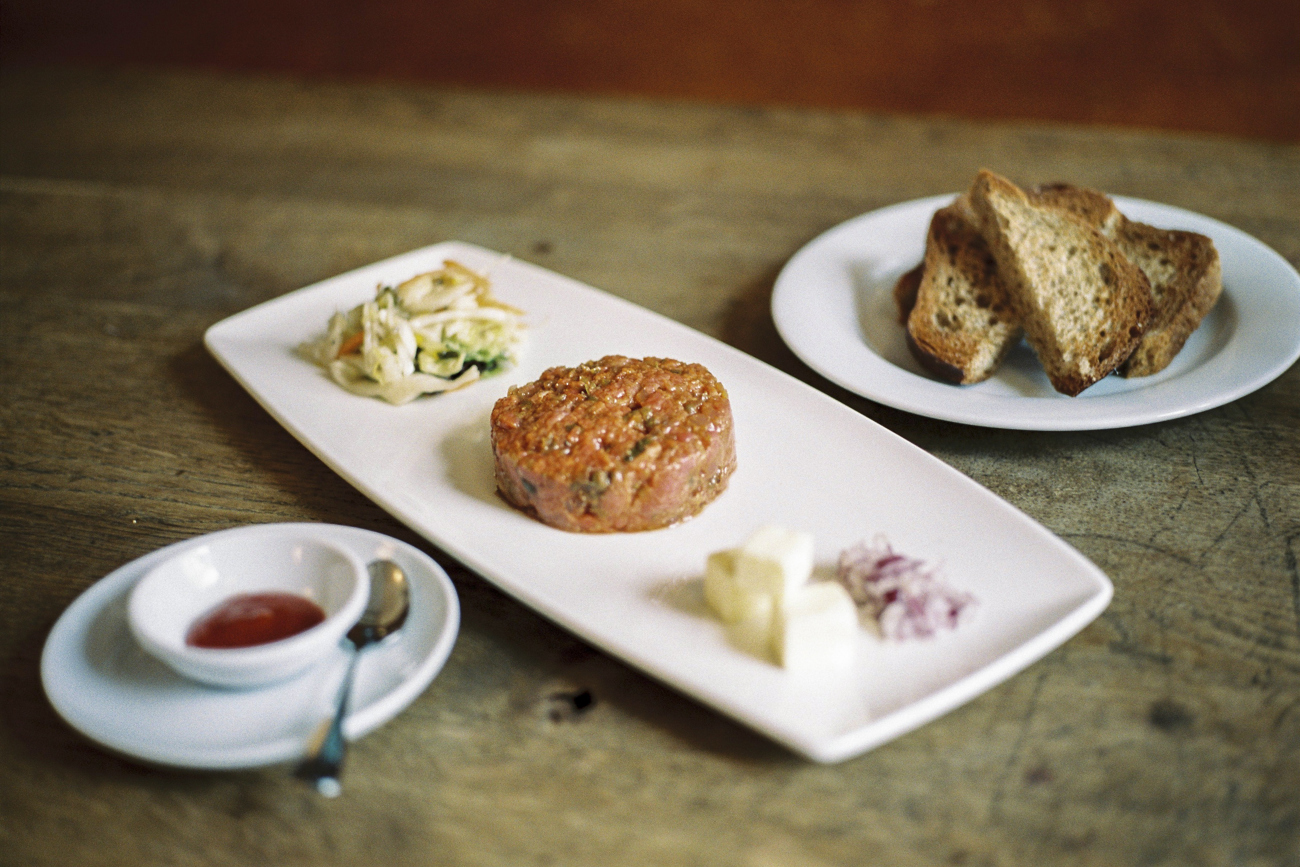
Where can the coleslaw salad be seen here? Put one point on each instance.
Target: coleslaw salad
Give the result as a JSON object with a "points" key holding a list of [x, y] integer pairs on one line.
{"points": [[435, 332]]}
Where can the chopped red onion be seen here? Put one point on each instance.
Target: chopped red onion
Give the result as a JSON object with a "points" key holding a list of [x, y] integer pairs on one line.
{"points": [[905, 596]]}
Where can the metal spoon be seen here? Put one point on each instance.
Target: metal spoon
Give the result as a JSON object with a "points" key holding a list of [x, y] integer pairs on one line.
{"points": [[390, 599]]}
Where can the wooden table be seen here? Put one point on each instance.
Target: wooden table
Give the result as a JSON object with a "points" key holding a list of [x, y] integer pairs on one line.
{"points": [[138, 209]]}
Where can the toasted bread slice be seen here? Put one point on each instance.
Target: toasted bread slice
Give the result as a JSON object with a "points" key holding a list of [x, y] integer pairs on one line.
{"points": [[1094, 208], [1084, 306], [1186, 281], [905, 292], [960, 325], [1182, 268]]}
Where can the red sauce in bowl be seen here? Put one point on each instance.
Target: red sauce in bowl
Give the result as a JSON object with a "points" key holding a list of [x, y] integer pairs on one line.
{"points": [[249, 619]]}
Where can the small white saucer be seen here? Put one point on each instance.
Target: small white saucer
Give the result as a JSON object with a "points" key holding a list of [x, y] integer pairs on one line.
{"points": [[101, 682]]}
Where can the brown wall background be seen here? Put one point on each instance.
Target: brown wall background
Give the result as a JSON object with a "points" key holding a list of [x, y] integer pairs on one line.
{"points": [[1198, 65]]}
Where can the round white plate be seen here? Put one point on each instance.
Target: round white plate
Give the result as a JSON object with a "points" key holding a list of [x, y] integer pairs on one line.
{"points": [[833, 305], [106, 687]]}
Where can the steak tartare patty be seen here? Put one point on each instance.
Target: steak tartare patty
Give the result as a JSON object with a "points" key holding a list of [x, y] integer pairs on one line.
{"points": [[615, 445]]}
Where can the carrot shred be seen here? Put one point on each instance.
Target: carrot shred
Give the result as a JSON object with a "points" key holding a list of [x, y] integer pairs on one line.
{"points": [[352, 344]]}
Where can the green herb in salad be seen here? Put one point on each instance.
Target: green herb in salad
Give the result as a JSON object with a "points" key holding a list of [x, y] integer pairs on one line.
{"points": [[435, 332]]}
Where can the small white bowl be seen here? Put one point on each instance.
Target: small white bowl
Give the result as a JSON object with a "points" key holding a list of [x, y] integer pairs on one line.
{"points": [[265, 558]]}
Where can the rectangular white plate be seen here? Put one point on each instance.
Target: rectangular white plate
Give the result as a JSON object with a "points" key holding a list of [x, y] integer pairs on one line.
{"points": [[805, 461]]}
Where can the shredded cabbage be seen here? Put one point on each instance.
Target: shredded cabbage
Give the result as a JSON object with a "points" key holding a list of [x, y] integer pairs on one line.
{"points": [[905, 596], [435, 332]]}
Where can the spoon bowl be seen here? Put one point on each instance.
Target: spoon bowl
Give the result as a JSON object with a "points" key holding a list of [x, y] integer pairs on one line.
{"points": [[387, 606]]}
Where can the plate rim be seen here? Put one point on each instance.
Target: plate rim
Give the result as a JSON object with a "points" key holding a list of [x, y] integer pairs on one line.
{"points": [[71, 625], [921, 395]]}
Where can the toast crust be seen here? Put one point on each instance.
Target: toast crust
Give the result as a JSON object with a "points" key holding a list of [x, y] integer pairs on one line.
{"points": [[905, 292]]}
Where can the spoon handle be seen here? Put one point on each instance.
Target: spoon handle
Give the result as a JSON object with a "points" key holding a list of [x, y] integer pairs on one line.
{"points": [[323, 764]]}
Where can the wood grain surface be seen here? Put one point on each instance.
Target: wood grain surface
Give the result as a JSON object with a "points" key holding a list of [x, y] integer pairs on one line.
{"points": [[137, 209]]}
